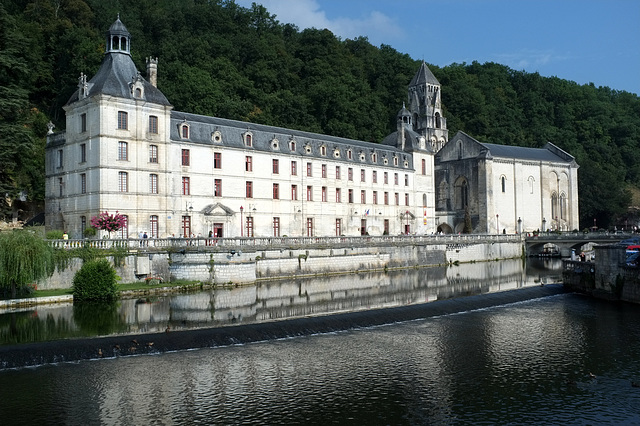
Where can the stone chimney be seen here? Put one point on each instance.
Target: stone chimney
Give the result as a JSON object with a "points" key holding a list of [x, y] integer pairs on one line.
{"points": [[152, 71]]}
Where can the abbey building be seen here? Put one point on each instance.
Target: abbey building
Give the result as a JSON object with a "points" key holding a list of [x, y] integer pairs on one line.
{"points": [[174, 173]]}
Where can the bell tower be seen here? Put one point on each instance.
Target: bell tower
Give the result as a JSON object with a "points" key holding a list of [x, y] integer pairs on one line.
{"points": [[425, 105], [118, 38]]}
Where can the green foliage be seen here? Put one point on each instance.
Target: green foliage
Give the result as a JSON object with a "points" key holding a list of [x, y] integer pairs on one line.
{"points": [[90, 232], [25, 258], [217, 58], [54, 234], [96, 280]]}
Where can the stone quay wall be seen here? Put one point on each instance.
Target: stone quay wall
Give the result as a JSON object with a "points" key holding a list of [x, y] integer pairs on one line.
{"points": [[248, 264], [609, 277]]}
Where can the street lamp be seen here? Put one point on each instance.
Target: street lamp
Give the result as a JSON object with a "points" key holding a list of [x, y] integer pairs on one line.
{"points": [[241, 229]]}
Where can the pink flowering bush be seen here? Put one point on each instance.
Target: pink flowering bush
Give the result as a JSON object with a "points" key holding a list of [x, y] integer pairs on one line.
{"points": [[109, 222]]}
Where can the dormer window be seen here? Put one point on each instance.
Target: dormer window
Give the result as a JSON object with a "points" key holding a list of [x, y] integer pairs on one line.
{"points": [[292, 145], [138, 93], [275, 145], [395, 161], [323, 150], [216, 136], [184, 131], [307, 149], [350, 155], [248, 139], [336, 153], [374, 158]]}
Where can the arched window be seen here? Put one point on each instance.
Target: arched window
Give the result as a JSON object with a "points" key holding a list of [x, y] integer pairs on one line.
{"points": [[554, 205], [438, 123], [563, 206], [461, 194], [503, 182], [424, 200]]}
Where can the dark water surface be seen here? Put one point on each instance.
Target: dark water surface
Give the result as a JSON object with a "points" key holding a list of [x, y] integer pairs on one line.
{"points": [[557, 359]]}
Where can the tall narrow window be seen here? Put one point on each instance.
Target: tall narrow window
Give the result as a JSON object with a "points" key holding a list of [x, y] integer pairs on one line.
{"points": [[186, 226], [186, 157], [338, 227], [324, 194], [324, 171], [249, 189], [276, 226], [153, 124], [503, 182], [375, 197], [275, 166], [374, 177], [60, 159], [124, 231], [424, 166], [406, 180], [338, 173], [294, 192], [217, 160], [386, 178], [83, 152], [294, 168], [123, 182], [186, 186], [217, 188], [323, 150], [395, 179], [386, 198], [276, 191], [309, 170], [350, 201], [248, 164], [309, 227], [153, 226], [153, 153], [185, 131], [362, 175], [309, 193], [83, 122], [363, 197], [350, 174], [249, 140], [406, 199], [397, 198], [338, 195], [249, 226], [83, 183], [153, 183], [60, 187], [123, 151], [122, 120]]}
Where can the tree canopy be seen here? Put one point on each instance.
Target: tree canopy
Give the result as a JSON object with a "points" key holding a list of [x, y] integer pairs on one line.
{"points": [[217, 58]]}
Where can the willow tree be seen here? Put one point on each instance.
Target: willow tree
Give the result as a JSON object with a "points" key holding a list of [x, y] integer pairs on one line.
{"points": [[25, 258]]}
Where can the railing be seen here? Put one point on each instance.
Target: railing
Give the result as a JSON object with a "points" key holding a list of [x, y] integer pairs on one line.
{"points": [[237, 243]]}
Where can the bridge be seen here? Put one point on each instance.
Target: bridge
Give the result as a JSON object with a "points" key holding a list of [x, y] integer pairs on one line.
{"points": [[566, 241]]}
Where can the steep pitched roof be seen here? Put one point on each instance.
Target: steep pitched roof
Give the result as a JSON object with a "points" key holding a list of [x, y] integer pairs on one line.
{"points": [[423, 76]]}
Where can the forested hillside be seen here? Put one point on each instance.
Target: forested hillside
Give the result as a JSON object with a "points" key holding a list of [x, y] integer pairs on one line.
{"points": [[216, 58]]}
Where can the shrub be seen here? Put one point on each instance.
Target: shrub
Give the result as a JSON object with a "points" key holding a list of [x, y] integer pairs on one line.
{"points": [[96, 280], [56, 234], [90, 232]]}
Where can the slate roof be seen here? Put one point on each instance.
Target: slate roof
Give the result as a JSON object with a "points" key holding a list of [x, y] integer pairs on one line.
{"points": [[423, 76]]}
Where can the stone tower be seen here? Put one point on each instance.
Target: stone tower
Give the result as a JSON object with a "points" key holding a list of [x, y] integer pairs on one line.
{"points": [[425, 105]]}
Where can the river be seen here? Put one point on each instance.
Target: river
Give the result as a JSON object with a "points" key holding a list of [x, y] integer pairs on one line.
{"points": [[428, 355]]}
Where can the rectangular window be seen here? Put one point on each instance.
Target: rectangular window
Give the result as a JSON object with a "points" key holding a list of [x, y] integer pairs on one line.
{"points": [[338, 227], [309, 193], [123, 182], [324, 171], [374, 176], [186, 186], [406, 180], [83, 122], [406, 199], [276, 226], [124, 231], [185, 131], [153, 124], [83, 152], [338, 195], [350, 174], [217, 160], [249, 226], [395, 179], [153, 226], [350, 196], [338, 173], [397, 199], [386, 178], [309, 170], [217, 188], [248, 164], [122, 120], [153, 184], [375, 197], [60, 159], [276, 191], [424, 166], [386, 198], [60, 187], [362, 175], [294, 168], [186, 157], [153, 153], [249, 189], [294, 192], [363, 197], [123, 151], [324, 194], [83, 183], [276, 167], [309, 227], [186, 226]]}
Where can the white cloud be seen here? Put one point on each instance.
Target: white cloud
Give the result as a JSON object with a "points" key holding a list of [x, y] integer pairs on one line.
{"points": [[377, 26], [528, 59]]}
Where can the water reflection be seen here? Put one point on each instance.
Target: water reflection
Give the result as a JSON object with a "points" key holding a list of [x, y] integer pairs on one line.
{"points": [[268, 301]]}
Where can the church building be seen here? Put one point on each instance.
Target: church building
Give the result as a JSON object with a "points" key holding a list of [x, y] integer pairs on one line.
{"points": [[174, 173]]}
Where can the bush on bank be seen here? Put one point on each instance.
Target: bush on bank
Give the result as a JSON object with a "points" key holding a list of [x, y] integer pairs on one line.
{"points": [[96, 280]]}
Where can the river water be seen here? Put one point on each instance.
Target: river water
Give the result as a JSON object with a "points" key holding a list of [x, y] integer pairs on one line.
{"points": [[555, 358]]}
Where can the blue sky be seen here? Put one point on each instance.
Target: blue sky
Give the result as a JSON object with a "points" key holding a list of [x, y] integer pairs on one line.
{"points": [[586, 41]]}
